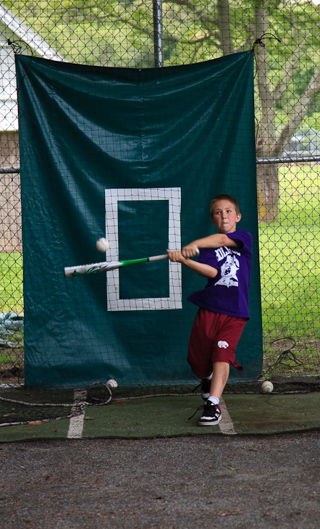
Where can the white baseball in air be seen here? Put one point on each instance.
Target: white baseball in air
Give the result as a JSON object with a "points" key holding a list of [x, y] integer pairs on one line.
{"points": [[102, 244], [112, 383], [267, 387]]}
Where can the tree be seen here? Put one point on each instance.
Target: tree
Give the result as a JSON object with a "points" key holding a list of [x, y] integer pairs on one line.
{"points": [[269, 144], [290, 31], [285, 38]]}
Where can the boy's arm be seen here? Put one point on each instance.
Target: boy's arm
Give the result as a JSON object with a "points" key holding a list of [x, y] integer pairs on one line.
{"points": [[200, 268], [216, 240]]}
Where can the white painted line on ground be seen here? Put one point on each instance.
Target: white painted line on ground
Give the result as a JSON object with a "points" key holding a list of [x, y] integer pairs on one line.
{"points": [[77, 422], [226, 424]]}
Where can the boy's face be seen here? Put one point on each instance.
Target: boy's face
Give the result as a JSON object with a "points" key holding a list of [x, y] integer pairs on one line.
{"points": [[225, 217]]}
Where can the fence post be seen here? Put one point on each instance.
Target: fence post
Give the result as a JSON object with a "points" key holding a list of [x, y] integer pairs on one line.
{"points": [[157, 33]]}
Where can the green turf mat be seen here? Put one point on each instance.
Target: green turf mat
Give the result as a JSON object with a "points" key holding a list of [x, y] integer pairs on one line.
{"points": [[33, 432], [168, 417], [142, 418], [269, 414]]}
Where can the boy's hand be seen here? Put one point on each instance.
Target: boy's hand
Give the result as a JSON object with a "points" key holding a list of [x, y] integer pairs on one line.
{"points": [[176, 256], [190, 250]]}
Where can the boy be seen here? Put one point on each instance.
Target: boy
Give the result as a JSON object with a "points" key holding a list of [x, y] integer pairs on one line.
{"points": [[225, 259]]}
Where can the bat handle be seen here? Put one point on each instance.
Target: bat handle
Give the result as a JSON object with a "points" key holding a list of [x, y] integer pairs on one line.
{"points": [[165, 256], [158, 257]]}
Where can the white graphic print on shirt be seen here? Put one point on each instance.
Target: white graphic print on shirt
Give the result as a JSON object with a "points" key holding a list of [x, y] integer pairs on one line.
{"points": [[229, 268]]}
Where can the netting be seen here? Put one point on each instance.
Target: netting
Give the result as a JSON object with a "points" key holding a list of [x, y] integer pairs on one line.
{"points": [[22, 405], [143, 35]]}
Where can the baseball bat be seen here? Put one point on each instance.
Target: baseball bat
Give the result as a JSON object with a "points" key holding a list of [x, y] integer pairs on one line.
{"points": [[95, 268]]}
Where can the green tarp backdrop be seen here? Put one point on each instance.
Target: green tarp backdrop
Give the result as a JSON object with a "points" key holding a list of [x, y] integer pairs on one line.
{"points": [[135, 156]]}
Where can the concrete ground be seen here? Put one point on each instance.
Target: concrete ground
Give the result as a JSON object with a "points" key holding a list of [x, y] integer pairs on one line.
{"points": [[198, 482]]}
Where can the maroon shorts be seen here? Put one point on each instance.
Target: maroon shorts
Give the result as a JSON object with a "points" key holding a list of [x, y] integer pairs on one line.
{"points": [[214, 338]]}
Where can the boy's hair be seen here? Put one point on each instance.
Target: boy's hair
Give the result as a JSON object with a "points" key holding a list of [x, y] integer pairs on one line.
{"points": [[224, 196]]}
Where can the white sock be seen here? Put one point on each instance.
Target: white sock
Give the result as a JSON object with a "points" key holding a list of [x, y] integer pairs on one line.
{"points": [[215, 400]]}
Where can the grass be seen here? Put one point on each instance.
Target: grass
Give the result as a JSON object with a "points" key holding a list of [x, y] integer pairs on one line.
{"points": [[289, 257], [290, 274], [11, 288], [11, 300], [290, 279], [290, 271]]}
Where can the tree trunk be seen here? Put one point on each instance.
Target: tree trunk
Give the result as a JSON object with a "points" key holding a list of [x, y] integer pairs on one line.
{"points": [[267, 145], [223, 20], [268, 192], [267, 175]]}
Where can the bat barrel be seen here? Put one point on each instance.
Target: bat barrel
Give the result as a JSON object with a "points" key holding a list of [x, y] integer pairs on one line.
{"points": [[95, 268]]}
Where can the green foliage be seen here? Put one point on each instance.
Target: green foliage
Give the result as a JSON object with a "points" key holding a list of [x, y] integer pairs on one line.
{"points": [[120, 33]]}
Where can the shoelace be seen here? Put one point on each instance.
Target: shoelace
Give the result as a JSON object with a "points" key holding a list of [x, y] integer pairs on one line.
{"points": [[198, 386], [198, 409]]}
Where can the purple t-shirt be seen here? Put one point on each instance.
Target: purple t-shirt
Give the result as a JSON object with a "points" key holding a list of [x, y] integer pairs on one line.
{"points": [[228, 292]]}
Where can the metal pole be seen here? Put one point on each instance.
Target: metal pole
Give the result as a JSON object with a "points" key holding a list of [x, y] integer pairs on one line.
{"points": [[289, 159], [157, 33], [9, 170]]}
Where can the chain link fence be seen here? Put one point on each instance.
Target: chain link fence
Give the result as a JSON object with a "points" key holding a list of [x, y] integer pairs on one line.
{"points": [[143, 34]]}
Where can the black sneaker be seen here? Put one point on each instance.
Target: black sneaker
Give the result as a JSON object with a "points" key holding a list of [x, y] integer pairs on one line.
{"points": [[205, 388], [211, 414]]}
